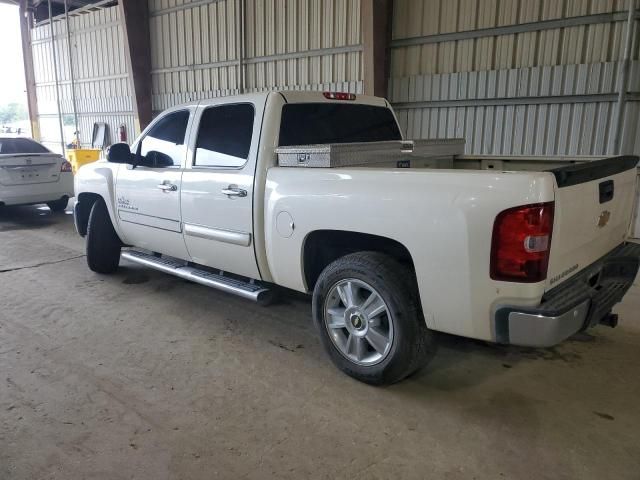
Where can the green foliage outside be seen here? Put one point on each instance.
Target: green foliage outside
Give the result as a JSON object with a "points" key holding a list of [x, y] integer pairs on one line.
{"points": [[13, 112]]}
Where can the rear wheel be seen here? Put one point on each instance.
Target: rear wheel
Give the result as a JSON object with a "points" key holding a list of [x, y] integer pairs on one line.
{"points": [[58, 205], [103, 243], [369, 320]]}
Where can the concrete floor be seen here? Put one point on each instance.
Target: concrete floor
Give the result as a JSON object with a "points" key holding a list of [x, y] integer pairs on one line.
{"points": [[142, 375]]}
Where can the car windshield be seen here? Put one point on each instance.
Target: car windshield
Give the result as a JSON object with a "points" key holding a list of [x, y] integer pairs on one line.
{"points": [[318, 123], [20, 145]]}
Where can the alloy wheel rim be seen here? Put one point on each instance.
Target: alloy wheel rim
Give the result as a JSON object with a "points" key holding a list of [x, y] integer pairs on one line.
{"points": [[358, 321]]}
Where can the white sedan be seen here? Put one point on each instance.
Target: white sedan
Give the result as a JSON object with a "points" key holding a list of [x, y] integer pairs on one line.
{"points": [[31, 174]]}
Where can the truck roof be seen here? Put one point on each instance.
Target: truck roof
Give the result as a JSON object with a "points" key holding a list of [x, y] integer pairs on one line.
{"points": [[291, 96], [315, 97]]}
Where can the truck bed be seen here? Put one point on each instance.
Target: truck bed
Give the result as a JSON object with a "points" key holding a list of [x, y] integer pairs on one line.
{"points": [[430, 153]]}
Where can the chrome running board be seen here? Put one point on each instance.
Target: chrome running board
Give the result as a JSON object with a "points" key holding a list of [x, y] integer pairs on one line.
{"points": [[249, 290]]}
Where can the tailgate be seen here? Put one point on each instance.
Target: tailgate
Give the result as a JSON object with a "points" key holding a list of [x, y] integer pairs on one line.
{"points": [[27, 169], [593, 210]]}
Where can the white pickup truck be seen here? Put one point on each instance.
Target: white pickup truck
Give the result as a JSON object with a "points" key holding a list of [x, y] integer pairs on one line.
{"points": [[319, 193]]}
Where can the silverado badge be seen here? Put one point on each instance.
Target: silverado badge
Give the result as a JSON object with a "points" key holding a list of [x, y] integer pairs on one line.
{"points": [[604, 218]]}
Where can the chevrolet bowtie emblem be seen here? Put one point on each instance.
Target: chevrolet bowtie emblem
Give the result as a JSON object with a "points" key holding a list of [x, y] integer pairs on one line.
{"points": [[604, 218]]}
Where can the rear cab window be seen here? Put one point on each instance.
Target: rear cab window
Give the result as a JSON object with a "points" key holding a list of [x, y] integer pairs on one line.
{"points": [[320, 123], [20, 146]]}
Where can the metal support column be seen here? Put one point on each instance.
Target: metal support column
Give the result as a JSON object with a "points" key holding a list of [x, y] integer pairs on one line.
{"points": [[241, 41], [30, 80], [134, 15], [623, 77], [55, 73], [376, 18], [71, 74]]}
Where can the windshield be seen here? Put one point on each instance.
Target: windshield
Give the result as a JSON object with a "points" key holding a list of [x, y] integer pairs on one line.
{"points": [[20, 145], [318, 123]]}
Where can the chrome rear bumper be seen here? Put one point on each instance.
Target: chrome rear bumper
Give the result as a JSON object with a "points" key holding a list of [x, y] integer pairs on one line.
{"points": [[576, 304]]}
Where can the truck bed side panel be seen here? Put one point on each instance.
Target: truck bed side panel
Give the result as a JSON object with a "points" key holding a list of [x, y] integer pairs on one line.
{"points": [[444, 218]]}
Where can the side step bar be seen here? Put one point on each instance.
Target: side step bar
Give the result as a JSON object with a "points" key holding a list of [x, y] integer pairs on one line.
{"points": [[248, 290]]}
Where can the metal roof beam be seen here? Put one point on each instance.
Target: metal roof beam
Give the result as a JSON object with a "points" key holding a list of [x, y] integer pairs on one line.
{"points": [[512, 29]]}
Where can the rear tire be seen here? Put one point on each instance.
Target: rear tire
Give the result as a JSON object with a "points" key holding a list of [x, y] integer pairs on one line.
{"points": [[58, 205], [367, 312], [103, 243]]}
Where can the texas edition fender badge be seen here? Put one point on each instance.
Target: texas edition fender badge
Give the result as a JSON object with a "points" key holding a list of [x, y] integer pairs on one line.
{"points": [[604, 218]]}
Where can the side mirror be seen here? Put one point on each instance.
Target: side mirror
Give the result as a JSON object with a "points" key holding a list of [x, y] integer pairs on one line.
{"points": [[155, 159], [119, 153]]}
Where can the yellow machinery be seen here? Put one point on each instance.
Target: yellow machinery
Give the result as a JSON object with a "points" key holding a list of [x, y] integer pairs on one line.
{"points": [[78, 157]]}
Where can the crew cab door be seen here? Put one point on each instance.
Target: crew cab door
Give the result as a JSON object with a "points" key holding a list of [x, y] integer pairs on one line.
{"points": [[217, 185], [148, 196]]}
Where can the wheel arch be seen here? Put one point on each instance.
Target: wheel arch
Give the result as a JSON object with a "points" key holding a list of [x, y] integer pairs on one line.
{"points": [[321, 247], [82, 209]]}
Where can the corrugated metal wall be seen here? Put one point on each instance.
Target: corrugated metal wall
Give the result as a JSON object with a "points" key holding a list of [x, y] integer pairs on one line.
{"points": [[100, 71], [203, 49], [511, 76], [475, 69]]}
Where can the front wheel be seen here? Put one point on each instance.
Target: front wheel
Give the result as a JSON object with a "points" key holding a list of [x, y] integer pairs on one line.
{"points": [[103, 243], [369, 320]]}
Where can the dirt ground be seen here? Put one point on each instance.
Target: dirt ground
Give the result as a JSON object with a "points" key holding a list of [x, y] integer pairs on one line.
{"points": [[141, 375]]}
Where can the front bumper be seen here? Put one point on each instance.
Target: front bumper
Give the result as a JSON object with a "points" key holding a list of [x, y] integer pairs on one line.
{"points": [[576, 304]]}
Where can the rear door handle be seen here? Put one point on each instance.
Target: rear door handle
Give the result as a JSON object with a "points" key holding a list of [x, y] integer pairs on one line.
{"points": [[234, 191], [168, 187]]}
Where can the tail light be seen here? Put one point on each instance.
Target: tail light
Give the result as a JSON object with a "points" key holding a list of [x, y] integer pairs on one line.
{"points": [[521, 242], [339, 95], [65, 167]]}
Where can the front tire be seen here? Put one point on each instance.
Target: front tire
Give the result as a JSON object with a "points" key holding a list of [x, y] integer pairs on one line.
{"points": [[367, 312], [103, 243]]}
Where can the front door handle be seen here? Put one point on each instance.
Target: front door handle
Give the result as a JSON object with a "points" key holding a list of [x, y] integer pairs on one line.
{"points": [[234, 191], [168, 187]]}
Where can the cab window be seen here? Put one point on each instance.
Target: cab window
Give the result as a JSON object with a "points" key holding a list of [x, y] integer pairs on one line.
{"points": [[224, 137], [327, 122], [164, 144]]}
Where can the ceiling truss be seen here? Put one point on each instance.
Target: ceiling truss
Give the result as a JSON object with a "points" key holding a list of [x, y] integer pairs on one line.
{"points": [[40, 8]]}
